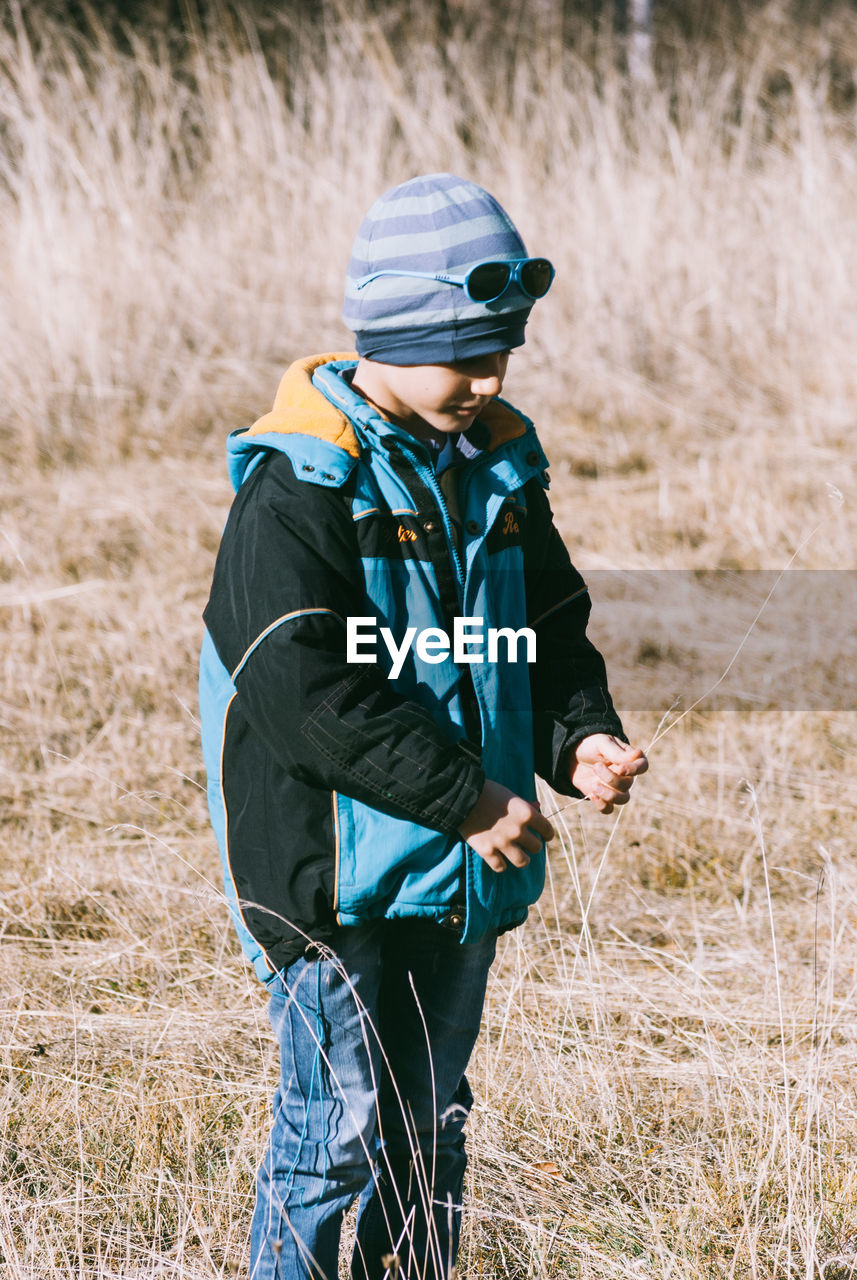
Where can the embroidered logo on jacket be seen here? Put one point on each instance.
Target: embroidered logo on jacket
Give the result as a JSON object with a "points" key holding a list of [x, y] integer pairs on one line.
{"points": [[508, 530]]}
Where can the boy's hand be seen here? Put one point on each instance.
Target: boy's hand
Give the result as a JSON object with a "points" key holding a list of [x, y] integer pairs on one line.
{"points": [[604, 769], [503, 827]]}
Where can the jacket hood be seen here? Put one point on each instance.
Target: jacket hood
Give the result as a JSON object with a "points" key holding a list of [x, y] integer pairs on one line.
{"points": [[300, 408], [314, 404]]}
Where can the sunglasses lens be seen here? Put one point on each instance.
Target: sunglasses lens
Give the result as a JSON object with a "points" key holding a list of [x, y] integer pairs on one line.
{"points": [[536, 277], [487, 282]]}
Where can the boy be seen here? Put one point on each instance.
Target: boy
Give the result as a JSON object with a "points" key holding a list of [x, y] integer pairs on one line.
{"points": [[370, 761]]}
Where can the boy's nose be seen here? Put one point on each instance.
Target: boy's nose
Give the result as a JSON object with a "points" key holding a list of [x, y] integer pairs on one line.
{"points": [[489, 381], [490, 385]]}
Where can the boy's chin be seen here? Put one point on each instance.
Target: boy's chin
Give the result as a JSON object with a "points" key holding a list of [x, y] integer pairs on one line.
{"points": [[455, 421]]}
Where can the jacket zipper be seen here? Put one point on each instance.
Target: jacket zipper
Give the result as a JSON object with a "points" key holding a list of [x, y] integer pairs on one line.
{"points": [[429, 479], [456, 917]]}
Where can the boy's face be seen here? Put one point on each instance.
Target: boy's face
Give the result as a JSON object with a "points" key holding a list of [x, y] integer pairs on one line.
{"points": [[433, 400]]}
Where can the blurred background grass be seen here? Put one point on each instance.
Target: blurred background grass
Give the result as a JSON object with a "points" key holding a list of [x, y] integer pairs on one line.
{"points": [[178, 203]]}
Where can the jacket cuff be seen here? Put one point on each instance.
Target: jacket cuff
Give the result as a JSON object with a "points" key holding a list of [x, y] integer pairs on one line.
{"points": [[598, 717], [447, 815]]}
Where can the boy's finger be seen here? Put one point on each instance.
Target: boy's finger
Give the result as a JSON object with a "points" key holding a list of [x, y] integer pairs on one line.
{"points": [[601, 803], [530, 841], [612, 778], [638, 764], [537, 822], [517, 855], [623, 755], [613, 791], [628, 763]]}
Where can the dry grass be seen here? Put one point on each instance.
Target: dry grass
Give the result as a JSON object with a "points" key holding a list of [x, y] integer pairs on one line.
{"points": [[664, 1087]]}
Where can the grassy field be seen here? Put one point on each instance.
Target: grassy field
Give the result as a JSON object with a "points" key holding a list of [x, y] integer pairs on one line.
{"points": [[665, 1084]]}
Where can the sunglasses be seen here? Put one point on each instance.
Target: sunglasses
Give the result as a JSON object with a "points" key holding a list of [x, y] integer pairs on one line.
{"points": [[487, 281]]}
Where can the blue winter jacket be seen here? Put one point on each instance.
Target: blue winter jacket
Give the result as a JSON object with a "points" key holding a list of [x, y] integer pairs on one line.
{"points": [[335, 792]]}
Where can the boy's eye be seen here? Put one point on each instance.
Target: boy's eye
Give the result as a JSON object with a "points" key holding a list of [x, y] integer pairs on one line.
{"points": [[480, 365]]}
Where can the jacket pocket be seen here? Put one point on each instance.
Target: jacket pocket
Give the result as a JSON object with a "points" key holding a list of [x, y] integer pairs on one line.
{"points": [[385, 862]]}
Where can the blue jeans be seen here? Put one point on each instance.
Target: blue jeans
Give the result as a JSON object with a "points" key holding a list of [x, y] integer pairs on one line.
{"points": [[372, 1102]]}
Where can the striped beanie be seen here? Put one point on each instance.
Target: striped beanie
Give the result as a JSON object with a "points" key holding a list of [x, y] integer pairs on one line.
{"points": [[436, 222]]}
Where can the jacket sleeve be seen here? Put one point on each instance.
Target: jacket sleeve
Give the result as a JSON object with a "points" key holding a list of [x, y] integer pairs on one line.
{"points": [[571, 699], [286, 578]]}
